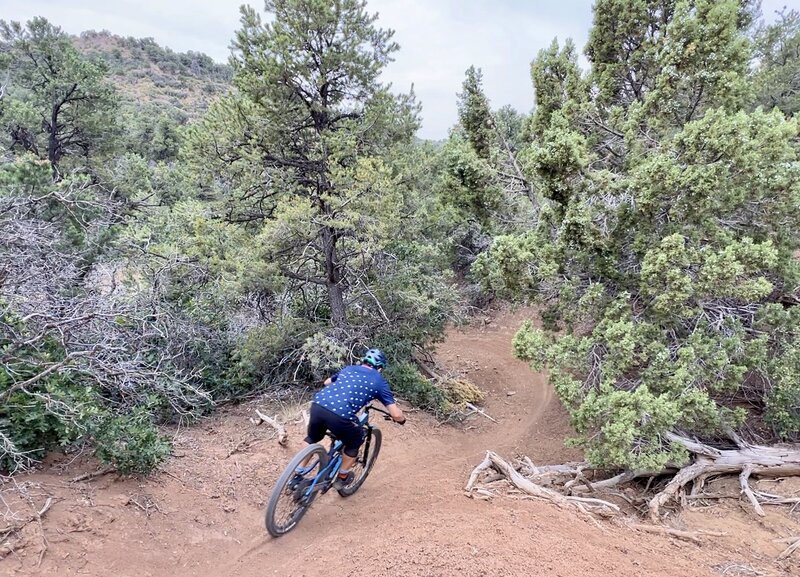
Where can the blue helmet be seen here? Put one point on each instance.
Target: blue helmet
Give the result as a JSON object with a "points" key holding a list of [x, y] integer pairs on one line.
{"points": [[375, 358]]}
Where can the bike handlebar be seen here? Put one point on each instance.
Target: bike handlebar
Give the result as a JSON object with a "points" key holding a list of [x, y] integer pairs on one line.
{"points": [[387, 416]]}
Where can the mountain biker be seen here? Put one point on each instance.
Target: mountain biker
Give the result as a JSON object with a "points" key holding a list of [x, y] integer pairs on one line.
{"points": [[334, 408]]}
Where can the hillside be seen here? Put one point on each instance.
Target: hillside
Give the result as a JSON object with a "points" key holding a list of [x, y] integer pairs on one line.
{"points": [[147, 73]]}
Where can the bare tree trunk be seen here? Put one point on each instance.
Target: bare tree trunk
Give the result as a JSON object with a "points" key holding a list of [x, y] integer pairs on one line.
{"points": [[52, 144], [332, 278]]}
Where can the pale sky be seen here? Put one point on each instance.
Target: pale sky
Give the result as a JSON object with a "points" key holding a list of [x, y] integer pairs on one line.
{"points": [[439, 39]]}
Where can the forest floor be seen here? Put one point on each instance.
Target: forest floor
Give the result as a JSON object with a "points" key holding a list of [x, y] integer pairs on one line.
{"points": [[202, 515]]}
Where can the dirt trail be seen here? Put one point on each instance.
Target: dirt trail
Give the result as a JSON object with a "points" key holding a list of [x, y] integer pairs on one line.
{"points": [[203, 516]]}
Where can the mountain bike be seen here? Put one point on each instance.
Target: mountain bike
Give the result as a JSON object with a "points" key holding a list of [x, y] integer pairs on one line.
{"points": [[295, 491]]}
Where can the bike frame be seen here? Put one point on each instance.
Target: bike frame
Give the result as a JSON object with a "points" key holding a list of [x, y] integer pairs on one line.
{"points": [[325, 477]]}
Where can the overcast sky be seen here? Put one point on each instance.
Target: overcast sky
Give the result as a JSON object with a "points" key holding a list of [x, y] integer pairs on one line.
{"points": [[439, 39]]}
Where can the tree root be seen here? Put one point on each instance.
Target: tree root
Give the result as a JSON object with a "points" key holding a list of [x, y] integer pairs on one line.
{"points": [[567, 485], [747, 460]]}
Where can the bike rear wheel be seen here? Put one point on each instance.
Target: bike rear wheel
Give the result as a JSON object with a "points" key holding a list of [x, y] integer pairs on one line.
{"points": [[367, 454], [289, 500]]}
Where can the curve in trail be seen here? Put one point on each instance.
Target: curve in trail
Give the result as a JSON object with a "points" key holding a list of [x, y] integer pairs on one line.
{"points": [[411, 516]]}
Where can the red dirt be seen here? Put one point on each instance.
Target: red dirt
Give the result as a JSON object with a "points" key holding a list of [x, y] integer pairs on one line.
{"points": [[203, 514]]}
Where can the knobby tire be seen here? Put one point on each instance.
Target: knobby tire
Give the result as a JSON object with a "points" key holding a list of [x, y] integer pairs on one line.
{"points": [[275, 526]]}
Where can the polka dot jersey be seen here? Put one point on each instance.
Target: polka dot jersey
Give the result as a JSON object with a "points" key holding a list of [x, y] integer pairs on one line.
{"points": [[352, 388]]}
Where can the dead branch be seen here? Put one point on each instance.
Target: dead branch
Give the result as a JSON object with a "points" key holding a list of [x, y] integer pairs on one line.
{"points": [[580, 504], [425, 369], [45, 544], [475, 409], [701, 496], [485, 464], [283, 436], [242, 445], [145, 503], [93, 474], [611, 482], [795, 544], [116, 338], [45, 508], [744, 476], [8, 548]]}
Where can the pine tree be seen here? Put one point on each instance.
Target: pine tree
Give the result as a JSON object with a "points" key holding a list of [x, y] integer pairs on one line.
{"points": [[296, 140], [474, 114]]}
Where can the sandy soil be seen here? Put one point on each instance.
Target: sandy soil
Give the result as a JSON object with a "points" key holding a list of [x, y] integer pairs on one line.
{"points": [[203, 514]]}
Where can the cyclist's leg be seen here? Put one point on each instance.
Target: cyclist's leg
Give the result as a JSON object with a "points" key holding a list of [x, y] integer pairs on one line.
{"points": [[317, 427], [352, 437]]}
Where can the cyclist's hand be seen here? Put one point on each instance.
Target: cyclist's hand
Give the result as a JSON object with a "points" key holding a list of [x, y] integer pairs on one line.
{"points": [[388, 418]]}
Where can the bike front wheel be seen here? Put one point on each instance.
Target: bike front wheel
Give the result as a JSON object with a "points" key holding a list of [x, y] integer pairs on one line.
{"points": [[366, 459], [291, 497]]}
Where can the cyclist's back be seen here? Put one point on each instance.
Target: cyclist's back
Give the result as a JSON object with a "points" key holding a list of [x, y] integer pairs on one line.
{"points": [[351, 389]]}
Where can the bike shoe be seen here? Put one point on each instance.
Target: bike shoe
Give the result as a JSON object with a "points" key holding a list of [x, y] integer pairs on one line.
{"points": [[341, 483]]}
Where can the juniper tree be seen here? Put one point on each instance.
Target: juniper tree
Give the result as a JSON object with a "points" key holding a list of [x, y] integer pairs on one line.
{"points": [[666, 263]]}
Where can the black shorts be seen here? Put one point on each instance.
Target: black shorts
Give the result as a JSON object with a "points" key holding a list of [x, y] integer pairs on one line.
{"points": [[323, 420]]}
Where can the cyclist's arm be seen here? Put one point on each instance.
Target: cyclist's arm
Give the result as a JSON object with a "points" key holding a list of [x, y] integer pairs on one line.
{"points": [[386, 397], [396, 413]]}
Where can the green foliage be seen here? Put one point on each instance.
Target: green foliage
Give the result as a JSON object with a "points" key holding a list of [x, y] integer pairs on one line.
{"points": [[323, 353], [68, 408], [130, 442], [557, 157], [474, 114], [310, 166], [468, 182], [153, 131], [409, 384], [557, 79], [187, 263], [783, 368]]}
